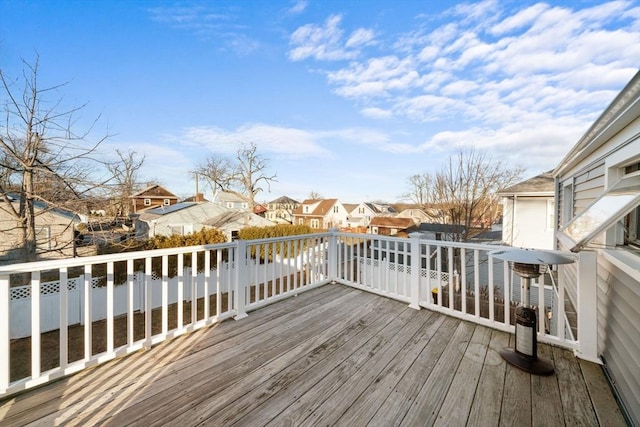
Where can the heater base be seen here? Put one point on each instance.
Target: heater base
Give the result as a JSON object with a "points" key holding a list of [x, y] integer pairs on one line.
{"points": [[535, 366]]}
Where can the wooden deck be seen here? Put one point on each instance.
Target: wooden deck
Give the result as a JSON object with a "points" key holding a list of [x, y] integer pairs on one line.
{"points": [[331, 356]]}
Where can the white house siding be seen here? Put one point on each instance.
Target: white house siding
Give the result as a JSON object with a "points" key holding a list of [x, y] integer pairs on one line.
{"points": [[532, 212], [588, 186], [618, 331], [592, 166]]}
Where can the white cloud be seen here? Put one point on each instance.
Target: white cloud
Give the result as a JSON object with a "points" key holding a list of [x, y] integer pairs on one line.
{"points": [[285, 141], [490, 65], [299, 6], [327, 42], [376, 113]]}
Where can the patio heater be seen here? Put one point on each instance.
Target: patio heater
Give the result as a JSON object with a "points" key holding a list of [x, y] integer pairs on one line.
{"points": [[528, 264]]}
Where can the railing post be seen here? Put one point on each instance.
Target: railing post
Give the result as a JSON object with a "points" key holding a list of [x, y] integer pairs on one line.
{"points": [[5, 335], [241, 279], [332, 255], [416, 266], [588, 307]]}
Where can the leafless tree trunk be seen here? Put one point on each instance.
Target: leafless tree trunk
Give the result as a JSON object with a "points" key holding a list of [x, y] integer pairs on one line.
{"points": [[42, 158], [243, 176]]}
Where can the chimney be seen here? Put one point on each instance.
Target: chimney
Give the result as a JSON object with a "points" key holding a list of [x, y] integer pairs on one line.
{"points": [[199, 197]]}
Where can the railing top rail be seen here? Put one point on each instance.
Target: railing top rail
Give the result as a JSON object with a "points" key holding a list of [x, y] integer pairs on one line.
{"points": [[99, 259]]}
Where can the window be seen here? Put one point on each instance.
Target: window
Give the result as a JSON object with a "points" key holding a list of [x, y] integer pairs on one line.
{"points": [[620, 201], [335, 209], [300, 221], [147, 202], [550, 214], [167, 202], [315, 223], [177, 230], [306, 209]]}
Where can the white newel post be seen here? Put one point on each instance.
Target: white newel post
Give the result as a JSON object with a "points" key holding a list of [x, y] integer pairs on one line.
{"points": [[242, 279], [5, 295], [333, 254], [588, 307], [416, 261]]}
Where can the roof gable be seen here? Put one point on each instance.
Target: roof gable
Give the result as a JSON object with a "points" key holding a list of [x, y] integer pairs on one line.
{"points": [[543, 184], [155, 191]]}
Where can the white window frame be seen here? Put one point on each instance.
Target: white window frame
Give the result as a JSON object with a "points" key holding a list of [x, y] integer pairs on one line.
{"points": [[613, 205], [167, 202], [146, 202]]}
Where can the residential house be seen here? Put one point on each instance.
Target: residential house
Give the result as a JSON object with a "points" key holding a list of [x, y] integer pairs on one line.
{"points": [[391, 226], [56, 232], [191, 217], [598, 211], [361, 215], [445, 232], [281, 210], [528, 213], [417, 214], [153, 197], [231, 201], [321, 214]]}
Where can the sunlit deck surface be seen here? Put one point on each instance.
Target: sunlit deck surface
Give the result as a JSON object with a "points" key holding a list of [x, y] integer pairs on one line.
{"points": [[330, 356]]}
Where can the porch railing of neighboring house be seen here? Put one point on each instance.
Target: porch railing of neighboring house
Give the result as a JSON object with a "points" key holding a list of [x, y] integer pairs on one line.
{"points": [[134, 300]]}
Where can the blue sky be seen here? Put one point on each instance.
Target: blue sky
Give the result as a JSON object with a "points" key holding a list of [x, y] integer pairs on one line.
{"points": [[345, 98]]}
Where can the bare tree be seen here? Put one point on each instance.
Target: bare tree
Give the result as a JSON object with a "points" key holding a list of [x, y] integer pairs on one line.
{"points": [[464, 191], [125, 179], [42, 157], [315, 195], [243, 176], [419, 189]]}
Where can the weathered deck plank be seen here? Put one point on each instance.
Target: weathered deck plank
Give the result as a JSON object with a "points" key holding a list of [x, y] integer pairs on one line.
{"points": [[487, 402], [331, 356]]}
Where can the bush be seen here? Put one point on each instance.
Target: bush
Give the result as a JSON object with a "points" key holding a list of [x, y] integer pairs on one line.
{"points": [[265, 252], [280, 230], [202, 237]]}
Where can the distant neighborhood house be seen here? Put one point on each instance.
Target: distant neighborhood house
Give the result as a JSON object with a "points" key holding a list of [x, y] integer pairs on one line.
{"points": [[56, 232], [321, 214], [191, 217], [528, 213], [153, 197], [281, 210]]}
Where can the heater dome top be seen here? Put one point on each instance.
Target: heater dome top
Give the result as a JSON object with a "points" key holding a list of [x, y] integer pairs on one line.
{"points": [[532, 256]]}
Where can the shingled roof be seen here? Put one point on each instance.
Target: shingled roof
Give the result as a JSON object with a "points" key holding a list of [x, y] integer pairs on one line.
{"points": [[542, 184]]}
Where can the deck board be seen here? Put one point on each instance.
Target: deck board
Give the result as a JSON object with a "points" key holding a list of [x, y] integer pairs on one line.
{"points": [[331, 356]]}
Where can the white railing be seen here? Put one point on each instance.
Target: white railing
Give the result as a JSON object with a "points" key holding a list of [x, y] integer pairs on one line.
{"points": [[142, 298]]}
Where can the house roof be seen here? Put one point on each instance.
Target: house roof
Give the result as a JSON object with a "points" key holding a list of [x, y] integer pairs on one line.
{"points": [[42, 206], [189, 211], [322, 208], [385, 221], [155, 191], [542, 184], [225, 196], [440, 228], [283, 200], [237, 219]]}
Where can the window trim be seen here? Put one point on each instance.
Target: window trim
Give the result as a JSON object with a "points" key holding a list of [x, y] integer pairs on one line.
{"points": [[579, 229], [146, 202]]}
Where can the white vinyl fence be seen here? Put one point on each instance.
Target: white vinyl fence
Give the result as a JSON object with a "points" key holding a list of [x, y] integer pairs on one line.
{"points": [[20, 299]]}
